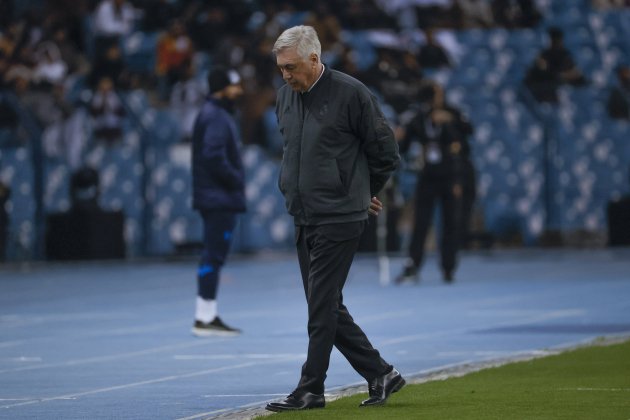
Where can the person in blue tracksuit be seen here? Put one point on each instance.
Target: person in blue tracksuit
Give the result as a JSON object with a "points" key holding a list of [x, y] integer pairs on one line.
{"points": [[218, 191]]}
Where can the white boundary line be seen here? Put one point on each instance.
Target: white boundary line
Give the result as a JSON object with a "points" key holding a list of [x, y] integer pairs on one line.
{"points": [[108, 358]]}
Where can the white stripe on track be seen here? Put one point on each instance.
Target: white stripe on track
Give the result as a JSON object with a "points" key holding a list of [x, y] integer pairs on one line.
{"points": [[253, 356], [101, 359], [142, 383]]}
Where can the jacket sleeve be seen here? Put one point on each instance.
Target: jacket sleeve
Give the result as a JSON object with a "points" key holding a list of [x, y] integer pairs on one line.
{"points": [[379, 144], [217, 136]]}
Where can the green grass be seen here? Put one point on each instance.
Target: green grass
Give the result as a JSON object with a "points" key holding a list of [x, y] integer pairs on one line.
{"points": [[587, 383]]}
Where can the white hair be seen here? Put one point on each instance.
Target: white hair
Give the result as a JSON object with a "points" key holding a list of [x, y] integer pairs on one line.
{"points": [[303, 38]]}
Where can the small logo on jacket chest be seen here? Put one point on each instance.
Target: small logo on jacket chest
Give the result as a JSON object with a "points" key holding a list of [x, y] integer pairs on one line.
{"points": [[323, 110]]}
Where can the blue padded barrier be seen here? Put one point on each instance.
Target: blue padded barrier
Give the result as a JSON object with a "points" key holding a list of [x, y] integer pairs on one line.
{"points": [[16, 171]]}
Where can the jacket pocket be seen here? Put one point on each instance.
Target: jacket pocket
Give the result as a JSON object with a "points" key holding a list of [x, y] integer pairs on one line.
{"points": [[342, 176]]}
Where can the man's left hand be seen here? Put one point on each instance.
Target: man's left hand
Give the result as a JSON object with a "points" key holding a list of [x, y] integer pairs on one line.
{"points": [[375, 206]]}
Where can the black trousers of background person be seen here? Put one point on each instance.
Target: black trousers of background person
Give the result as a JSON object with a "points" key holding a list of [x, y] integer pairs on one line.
{"points": [[218, 227], [429, 191], [325, 254]]}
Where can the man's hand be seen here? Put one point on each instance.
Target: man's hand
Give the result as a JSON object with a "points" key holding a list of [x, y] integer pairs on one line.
{"points": [[375, 206]]}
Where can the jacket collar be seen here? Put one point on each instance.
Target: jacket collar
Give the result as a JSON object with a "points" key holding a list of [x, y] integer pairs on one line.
{"points": [[320, 81]]}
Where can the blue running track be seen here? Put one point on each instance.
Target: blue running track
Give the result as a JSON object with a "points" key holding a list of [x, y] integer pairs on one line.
{"points": [[112, 340]]}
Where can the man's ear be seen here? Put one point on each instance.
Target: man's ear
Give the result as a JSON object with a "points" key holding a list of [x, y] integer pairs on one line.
{"points": [[314, 58]]}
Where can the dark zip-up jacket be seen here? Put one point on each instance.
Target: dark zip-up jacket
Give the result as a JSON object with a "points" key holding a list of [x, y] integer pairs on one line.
{"points": [[338, 150], [217, 170], [452, 140]]}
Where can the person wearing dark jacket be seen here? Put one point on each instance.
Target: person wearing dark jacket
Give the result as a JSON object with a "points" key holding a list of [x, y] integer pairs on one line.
{"points": [[338, 154], [552, 67], [447, 176], [218, 191]]}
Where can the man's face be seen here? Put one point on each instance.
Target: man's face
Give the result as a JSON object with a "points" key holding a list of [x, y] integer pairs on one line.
{"points": [[233, 92], [300, 74]]}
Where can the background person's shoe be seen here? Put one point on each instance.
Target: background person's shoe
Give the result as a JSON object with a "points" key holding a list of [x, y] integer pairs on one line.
{"points": [[379, 389], [214, 328], [448, 276], [408, 275], [298, 401]]}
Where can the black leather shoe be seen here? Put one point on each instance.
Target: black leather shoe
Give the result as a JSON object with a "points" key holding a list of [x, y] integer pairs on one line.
{"points": [[298, 401], [382, 387]]}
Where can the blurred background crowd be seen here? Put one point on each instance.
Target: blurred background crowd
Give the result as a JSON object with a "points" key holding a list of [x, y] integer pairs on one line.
{"points": [[98, 97]]}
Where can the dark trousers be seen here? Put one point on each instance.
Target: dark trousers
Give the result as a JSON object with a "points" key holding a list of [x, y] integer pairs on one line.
{"points": [[430, 191], [469, 184], [325, 254], [218, 227]]}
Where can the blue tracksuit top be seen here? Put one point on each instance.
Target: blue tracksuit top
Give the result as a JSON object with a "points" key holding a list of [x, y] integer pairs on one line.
{"points": [[217, 169]]}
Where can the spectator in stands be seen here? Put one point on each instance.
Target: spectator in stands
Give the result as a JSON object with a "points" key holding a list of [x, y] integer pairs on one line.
{"points": [[208, 24], [111, 65], [348, 63], [553, 67], [10, 38], [618, 102], [71, 55], [174, 54], [396, 76], [8, 117], [113, 20], [187, 97], [107, 112], [18, 78], [516, 13], [446, 177], [157, 14], [63, 136], [363, 14], [475, 14], [4, 68], [69, 16], [411, 74], [435, 13], [50, 69], [265, 67], [432, 55], [383, 74], [327, 26], [218, 192]]}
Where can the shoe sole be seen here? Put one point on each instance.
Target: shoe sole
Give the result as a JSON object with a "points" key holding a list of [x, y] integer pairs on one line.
{"points": [[280, 410], [198, 332]]}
